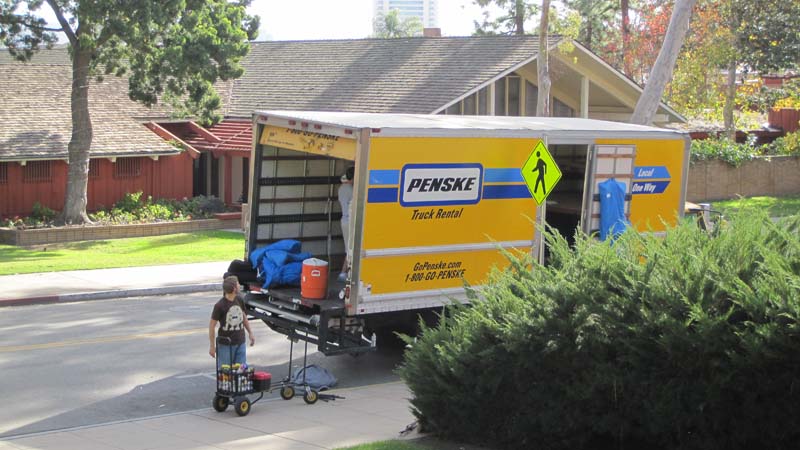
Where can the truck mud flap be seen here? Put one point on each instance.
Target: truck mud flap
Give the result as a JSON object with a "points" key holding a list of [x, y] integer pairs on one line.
{"points": [[327, 329]]}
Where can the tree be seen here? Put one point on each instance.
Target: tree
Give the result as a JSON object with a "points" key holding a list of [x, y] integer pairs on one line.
{"points": [[648, 103], [695, 85], [390, 25], [543, 64], [763, 37], [624, 7], [512, 21], [596, 15], [647, 32], [173, 49]]}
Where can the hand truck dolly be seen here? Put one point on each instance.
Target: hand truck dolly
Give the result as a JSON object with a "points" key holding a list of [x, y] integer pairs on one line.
{"points": [[234, 384], [288, 386]]}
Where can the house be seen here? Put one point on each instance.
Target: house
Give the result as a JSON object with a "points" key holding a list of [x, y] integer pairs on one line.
{"points": [[125, 156], [490, 75]]}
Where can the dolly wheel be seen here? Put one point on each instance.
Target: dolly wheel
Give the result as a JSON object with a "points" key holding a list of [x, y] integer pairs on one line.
{"points": [[220, 403], [311, 396], [287, 392], [242, 406]]}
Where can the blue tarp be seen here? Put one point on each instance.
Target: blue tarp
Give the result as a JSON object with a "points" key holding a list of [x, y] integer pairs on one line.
{"points": [[612, 209], [280, 263], [317, 377]]}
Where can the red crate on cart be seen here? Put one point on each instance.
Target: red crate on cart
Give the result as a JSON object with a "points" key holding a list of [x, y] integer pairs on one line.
{"points": [[262, 381]]}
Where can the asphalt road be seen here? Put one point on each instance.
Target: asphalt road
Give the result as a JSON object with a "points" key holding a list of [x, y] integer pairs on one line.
{"points": [[76, 364]]}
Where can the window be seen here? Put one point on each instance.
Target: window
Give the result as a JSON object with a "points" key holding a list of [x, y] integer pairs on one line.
{"points": [[36, 172], [531, 97], [476, 103], [94, 168], [454, 109], [128, 167], [560, 109], [469, 105], [500, 97], [3, 173], [483, 101], [513, 95], [507, 96]]}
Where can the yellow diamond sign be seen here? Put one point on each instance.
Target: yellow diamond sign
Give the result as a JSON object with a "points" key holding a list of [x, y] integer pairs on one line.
{"points": [[540, 173]]}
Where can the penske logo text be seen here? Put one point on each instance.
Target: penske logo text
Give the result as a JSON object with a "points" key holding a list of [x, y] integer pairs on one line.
{"points": [[441, 184]]}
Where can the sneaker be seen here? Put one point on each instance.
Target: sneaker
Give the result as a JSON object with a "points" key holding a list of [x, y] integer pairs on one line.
{"points": [[342, 277]]}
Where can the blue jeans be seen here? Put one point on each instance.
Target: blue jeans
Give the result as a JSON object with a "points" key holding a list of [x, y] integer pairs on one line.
{"points": [[228, 353]]}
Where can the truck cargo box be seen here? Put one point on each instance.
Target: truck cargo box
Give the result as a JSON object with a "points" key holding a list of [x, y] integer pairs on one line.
{"points": [[435, 199]]}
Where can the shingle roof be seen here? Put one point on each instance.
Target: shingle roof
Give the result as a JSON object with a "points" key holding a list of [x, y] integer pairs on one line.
{"points": [[36, 118], [414, 75]]}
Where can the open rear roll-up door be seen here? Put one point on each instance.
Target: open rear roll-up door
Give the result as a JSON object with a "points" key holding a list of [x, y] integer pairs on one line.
{"points": [[606, 161], [296, 194]]}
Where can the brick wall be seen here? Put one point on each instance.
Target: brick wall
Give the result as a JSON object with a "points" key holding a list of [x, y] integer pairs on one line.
{"points": [[767, 176], [92, 233]]}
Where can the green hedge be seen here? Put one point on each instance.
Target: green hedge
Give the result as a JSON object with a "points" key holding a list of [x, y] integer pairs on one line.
{"points": [[736, 153], [723, 149], [688, 341]]}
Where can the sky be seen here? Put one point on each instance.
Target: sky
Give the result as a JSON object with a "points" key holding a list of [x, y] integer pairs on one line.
{"points": [[284, 20]]}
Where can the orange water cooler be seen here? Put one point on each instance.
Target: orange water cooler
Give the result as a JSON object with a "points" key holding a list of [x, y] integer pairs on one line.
{"points": [[314, 279]]}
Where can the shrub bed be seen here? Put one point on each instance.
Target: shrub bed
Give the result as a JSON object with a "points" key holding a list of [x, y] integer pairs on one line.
{"points": [[131, 209], [688, 341], [736, 153]]}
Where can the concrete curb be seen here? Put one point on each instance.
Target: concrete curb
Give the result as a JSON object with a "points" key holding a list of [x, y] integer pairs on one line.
{"points": [[104, 295]]}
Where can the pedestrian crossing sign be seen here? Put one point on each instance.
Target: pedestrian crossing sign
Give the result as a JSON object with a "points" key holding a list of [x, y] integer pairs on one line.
{"points": [[541, 173]]}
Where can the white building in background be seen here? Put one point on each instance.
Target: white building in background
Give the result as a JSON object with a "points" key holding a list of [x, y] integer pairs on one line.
{"points": [[426, 10]]}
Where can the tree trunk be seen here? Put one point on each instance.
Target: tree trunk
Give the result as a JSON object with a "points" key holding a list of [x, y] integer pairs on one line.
{"points": [[519, 17], [647, 106], [730, 99], [543, 64], [626, 38], [589, 35], [80, 143]]}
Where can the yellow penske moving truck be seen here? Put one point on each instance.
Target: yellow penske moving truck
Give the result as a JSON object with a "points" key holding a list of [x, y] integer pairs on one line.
{"points": [[434, 199]]}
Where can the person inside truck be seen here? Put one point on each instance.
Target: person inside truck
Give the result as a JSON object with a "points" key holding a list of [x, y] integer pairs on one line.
{"points": [[229, 313], [346, 200]]}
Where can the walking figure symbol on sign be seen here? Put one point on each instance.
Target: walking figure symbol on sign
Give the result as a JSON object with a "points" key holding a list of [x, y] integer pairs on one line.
{"points": [[541, 167]]}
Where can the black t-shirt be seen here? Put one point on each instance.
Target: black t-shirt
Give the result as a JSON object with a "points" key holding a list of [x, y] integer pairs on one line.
{"points": [[230, 315]]}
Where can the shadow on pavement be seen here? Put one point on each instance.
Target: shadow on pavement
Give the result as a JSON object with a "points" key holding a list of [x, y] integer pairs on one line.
{"points": [[193, 391]]}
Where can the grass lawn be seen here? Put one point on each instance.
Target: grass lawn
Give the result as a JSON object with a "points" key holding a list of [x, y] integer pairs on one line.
{"points": [[776, 206], [182, 248]]}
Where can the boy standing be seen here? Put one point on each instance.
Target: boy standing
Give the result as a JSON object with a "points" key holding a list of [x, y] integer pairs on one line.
{"points": [[229, 312]]}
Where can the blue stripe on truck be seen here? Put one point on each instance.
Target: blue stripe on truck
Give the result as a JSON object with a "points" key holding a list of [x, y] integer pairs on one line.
{"points": [[503, 176], [501, 191], [384, 177], [382, 195]]}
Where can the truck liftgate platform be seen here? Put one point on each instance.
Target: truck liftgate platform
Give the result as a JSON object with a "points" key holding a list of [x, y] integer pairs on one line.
{"points": [[320, 322]]}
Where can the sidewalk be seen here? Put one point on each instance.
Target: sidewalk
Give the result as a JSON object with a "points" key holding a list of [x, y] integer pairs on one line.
{"points": [[79, 285], [366, 414]]}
